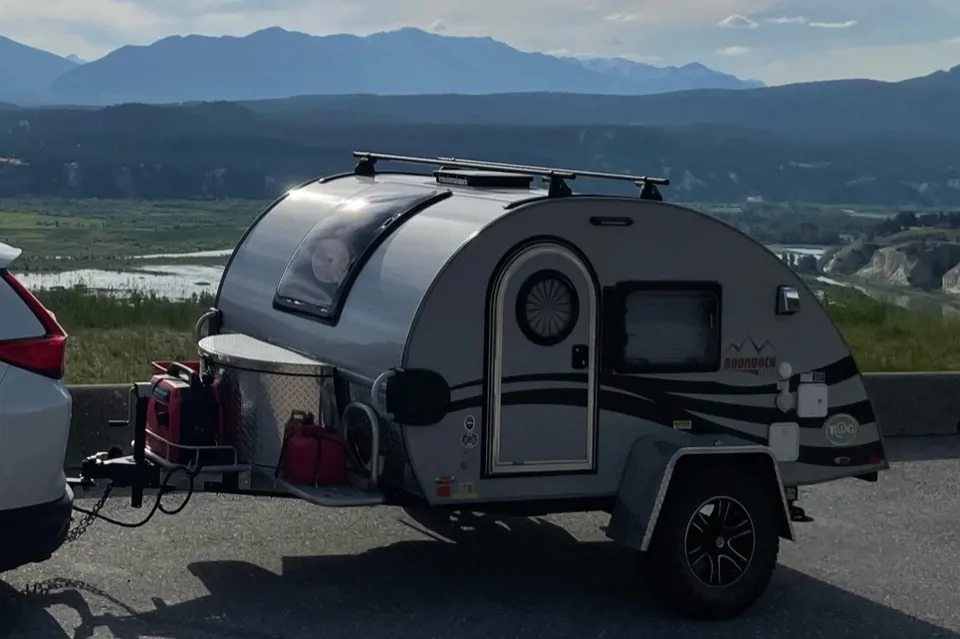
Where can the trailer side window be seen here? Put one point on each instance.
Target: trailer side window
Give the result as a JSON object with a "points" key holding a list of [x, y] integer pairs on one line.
{"points": [[669, 330], [324, 266]]}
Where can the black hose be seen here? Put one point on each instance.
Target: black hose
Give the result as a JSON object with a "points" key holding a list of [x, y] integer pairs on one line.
{"points": [[157, 504]]}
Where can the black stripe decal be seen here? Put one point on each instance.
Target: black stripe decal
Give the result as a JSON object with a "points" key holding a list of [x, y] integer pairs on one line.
{"points": [[664, 392], [835, 373], [664, 409]]}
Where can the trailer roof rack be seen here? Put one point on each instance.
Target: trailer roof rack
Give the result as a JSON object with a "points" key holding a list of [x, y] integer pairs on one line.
{"points": [[556, 178]]}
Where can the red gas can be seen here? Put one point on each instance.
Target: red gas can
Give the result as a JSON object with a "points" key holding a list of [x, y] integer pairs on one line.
{"points": [[311, 455], [332, 466]]}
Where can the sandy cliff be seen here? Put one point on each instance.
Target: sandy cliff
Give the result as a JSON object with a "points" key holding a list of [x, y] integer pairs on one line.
{"points": [[930, 266]]}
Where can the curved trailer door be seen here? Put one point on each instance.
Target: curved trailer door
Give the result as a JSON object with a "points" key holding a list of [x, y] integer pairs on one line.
{"points": [[542, 368]]}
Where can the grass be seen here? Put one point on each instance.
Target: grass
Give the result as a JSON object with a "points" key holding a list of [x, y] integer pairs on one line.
{"points": [[58, 234], [115, 339], [886, 338]]}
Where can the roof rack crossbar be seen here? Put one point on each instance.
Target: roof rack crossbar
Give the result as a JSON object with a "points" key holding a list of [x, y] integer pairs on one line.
{"points": [[368, 159]]}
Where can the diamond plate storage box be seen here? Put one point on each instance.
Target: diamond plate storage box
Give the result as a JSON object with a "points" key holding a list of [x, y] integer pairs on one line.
{"points": [[261, 385]]}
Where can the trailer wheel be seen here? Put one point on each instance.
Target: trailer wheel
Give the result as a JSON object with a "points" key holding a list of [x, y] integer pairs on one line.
{"points": [[715, 545]]}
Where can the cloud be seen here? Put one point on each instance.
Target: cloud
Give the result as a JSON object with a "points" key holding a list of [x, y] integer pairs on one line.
{"points": [[737, 21], [624, 17], [833, 25], [733, 52], [890, 63], [438, 25], [786, 20], [802, 20], [67, 26]]}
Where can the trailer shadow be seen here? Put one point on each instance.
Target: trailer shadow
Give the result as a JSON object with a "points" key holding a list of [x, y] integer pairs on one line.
{"points": [[920, 449], [486, 577]]}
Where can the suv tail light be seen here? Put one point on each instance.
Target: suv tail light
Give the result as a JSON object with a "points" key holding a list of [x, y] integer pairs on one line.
{"points": [[44, 355]]}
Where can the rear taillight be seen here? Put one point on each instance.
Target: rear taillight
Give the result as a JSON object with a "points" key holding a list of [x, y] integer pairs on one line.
{"points": [[44, 355]]}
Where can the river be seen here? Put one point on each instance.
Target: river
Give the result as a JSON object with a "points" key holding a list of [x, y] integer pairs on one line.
{"points": [[180, 279]]}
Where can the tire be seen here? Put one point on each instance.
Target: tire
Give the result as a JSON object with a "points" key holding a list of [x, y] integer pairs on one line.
{"points": [[689, 587]]}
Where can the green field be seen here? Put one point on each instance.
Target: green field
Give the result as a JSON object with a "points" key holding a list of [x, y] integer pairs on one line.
{"points": [[62, 234], [114, 340], [58, 234]]}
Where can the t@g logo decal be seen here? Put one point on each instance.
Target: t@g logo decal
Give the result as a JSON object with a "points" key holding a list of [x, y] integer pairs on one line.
{"points": [[841, 429]]}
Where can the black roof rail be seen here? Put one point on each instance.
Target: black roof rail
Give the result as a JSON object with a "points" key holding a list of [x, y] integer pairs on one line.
{"points": [[556, 178]]}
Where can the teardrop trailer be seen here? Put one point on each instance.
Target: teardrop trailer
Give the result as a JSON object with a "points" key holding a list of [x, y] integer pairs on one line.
{"points": [[465, 340]]}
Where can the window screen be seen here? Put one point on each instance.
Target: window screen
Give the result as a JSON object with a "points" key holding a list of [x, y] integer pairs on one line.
{"points": [[670, 330], [325, 264]]}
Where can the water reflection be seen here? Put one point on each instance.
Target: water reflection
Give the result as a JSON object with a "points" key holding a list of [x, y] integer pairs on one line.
{"points": [[173, 281], [182, 280]]}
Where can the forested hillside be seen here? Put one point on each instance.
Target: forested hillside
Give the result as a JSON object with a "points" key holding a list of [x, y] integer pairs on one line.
{"points": [[228, 150]]}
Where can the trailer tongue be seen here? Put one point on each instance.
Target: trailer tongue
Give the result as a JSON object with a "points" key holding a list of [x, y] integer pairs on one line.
{"points": [[466, 341]]}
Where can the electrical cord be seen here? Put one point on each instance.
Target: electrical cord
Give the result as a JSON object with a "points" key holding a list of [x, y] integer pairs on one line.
{"points": [[157, 503], [94, 513]]}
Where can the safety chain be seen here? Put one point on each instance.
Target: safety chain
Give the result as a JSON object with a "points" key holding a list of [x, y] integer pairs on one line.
{"points": [[90, 517], [48, 586]]}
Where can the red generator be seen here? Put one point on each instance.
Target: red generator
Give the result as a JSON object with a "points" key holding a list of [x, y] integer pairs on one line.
{"points": [[184, 409]]}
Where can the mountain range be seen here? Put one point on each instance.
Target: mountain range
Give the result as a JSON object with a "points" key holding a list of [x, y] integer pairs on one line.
{"points": [[815, 111], [247, 116], [24, 70], [275, 63], [225, 149]]}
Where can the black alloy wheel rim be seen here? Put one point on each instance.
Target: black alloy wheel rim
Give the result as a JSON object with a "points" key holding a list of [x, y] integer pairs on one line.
{"points": [[719, 542]]}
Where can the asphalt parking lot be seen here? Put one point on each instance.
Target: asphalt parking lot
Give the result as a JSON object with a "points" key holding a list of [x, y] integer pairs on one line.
{"points": [[880, 561]]}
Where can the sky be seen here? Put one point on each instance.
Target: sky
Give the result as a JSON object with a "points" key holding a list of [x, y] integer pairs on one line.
{"points": [[776, 41]]}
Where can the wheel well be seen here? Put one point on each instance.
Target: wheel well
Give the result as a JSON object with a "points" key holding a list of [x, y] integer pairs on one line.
{"points": [[758, 464]]}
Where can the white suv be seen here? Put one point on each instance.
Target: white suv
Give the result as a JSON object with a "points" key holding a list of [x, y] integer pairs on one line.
{"points": [[35, 408]]}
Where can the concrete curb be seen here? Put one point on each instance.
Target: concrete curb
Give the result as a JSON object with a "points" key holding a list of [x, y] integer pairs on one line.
{"points": [[907, 405], [94, 405], [915, 404]]}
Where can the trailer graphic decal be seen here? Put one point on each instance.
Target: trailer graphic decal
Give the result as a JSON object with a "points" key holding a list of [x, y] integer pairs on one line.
{"points": [[652, 409], [749, 357], [837, 372], [661, 401]]}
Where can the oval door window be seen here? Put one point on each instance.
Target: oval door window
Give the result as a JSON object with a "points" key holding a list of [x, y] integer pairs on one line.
{"points": [[547, 307]]}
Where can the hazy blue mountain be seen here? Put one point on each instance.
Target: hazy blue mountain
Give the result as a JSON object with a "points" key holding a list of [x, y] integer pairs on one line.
{"points": [[824, 111], [409, 76], [664, 79], [76, 59], [275, 63], [24, 68]]}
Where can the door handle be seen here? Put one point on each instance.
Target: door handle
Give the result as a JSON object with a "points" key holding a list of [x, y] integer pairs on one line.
{"points": [[580, 357]]}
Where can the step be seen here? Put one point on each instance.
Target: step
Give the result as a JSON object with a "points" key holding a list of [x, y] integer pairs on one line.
{"points": [[345, 496]]}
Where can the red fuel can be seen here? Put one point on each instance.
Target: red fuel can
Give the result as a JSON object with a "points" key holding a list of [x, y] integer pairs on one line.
{"points": [[311, 455], [332, 466], [300, 454]]}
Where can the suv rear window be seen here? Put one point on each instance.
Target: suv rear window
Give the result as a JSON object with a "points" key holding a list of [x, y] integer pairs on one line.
{"points": [[324, 266]]}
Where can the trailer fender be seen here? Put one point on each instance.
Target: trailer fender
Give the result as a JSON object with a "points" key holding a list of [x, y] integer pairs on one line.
{"points": [[655, 459]]}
